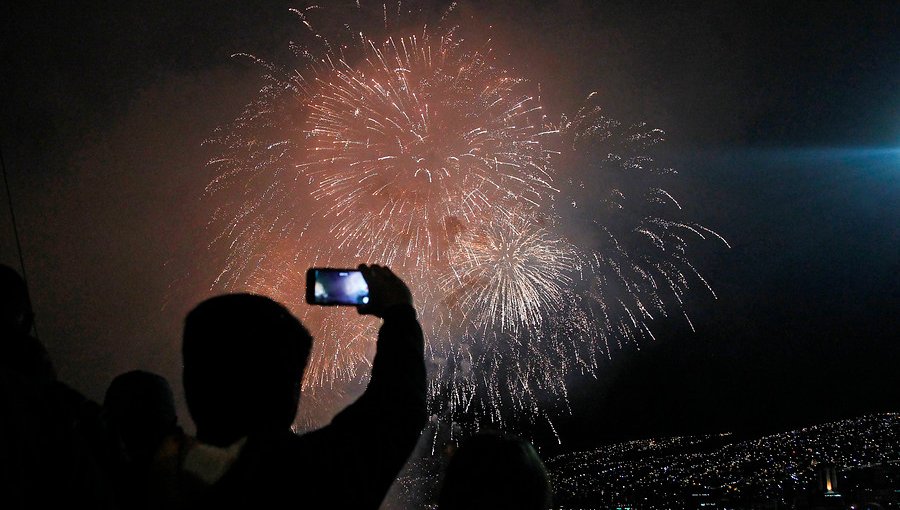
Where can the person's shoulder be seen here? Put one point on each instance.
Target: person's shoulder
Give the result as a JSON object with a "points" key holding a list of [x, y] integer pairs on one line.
{"points": [[186, 471], [207, 463]]}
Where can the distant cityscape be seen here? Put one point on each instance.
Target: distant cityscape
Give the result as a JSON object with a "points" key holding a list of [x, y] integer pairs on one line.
{"points": [[853, 464]]}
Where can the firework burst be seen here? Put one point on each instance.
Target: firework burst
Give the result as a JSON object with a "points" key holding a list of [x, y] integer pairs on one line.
{"points": [[416, 149], [426, 135], [509, 273]]}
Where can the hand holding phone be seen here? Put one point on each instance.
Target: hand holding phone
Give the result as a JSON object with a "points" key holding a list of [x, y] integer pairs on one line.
{"points": [[385, 290], [371, 289]]}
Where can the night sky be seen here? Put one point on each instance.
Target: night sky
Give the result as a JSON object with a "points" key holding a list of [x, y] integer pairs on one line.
{"points": [[784, 122]]}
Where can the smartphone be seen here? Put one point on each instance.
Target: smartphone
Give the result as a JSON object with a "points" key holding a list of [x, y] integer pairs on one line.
{"points": [[327, 286]]}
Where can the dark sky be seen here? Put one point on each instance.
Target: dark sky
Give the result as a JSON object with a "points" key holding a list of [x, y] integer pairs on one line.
{"points": [[784, 122]]}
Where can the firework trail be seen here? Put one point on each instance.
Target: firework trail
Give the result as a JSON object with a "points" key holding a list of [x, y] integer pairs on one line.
{"points": [[413, 147]]}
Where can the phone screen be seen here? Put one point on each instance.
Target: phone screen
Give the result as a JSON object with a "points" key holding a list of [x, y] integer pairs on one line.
{"points": [[336, 287]]}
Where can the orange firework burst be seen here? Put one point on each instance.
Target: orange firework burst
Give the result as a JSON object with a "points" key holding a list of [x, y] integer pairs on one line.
{"points": [[417, 149]]}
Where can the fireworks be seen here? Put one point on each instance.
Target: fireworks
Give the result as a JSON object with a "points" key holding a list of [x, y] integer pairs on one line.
{"points": [[423, 134], [508, 273], [416, 149]]}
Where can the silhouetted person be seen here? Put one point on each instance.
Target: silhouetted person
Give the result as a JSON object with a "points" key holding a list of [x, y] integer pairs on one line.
{"points": [[45, 461], [139, 414], [15, 307], [140, 409], [492, 471], [244, 357], [25, 411], [19, 351]]}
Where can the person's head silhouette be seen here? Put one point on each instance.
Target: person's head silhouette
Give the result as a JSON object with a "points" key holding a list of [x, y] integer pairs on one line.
{"points": [[244, 357], [141, 410], [495, 471], [15, 307]]}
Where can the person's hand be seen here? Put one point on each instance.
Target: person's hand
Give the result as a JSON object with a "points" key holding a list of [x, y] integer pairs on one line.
{"points": [[385, 290]]}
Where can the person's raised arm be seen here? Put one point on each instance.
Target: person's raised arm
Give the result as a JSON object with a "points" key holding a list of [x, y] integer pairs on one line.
{"points": [[398, 371], [372, 438], [397, 384]]}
